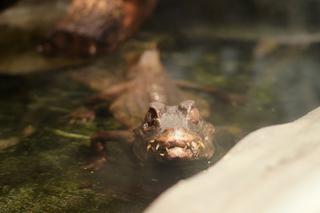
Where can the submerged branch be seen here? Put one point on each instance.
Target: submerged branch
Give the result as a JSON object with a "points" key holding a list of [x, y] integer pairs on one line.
{"points": [[70, 135]]}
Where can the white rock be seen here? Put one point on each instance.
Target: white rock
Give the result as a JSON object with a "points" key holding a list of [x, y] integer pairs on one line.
{"points": [[274, 169]]}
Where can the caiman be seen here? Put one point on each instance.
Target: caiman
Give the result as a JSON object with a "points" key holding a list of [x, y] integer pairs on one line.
{"points": [[163, 123]]}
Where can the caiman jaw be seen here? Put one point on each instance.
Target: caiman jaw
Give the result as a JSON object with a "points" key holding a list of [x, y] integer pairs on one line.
{"points": [[176, 143]]}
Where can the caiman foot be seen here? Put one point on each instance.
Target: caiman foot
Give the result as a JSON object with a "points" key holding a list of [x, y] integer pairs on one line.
{"points": [[82, 115], [96, 164], [98, 147]]}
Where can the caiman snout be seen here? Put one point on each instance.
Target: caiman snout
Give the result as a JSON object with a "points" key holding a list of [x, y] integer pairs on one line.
{"points": [[176, 143]]}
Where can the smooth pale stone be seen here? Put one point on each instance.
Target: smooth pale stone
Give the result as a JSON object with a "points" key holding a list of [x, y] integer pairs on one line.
{"points": [[274, 169]]}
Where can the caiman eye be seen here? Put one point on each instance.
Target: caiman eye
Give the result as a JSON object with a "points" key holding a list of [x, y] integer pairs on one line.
{"points": [[151, 115], [191, 112], [151, 119], [194, 115]]}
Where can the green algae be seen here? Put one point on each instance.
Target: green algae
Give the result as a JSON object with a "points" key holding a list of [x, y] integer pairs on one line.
{"points": [[63, 198], [43, 174]]}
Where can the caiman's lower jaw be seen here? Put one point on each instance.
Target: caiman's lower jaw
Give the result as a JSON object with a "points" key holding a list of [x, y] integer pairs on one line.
{"points": [[176, 144]]}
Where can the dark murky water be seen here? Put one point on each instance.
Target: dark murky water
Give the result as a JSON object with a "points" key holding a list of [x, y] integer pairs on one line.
{"points": [[41, 154]]}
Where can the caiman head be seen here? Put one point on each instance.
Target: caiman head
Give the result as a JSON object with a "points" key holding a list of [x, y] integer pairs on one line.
{"points": [[174, 133]]}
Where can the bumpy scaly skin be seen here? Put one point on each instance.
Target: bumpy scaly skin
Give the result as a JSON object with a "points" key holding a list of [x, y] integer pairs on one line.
{"points": [[171, 133], [168, 133]]}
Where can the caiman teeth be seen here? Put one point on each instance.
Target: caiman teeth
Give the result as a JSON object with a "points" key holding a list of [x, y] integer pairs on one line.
{"points": [[201, 144], [194, 144], [188, 144]]}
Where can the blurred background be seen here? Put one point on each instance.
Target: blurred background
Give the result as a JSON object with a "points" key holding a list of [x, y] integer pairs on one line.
{"points": [[266, 51]]}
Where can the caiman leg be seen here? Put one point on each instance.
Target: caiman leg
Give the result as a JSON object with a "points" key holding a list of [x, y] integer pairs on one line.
{"points": [[234, 99], [87, 113], [113, 91], [98, 145]]}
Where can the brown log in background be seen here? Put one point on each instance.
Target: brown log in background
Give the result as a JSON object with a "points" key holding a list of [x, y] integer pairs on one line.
{"points": [[93, 26]]}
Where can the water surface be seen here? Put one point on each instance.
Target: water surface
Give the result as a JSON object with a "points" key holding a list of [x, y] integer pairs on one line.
{"points": [[42, 155]]}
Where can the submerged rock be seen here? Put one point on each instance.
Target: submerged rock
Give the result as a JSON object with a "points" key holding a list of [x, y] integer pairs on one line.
{"points": [[274, 169]]}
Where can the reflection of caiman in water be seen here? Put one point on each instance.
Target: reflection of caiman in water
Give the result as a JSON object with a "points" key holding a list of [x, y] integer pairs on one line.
{"points": [[173, 128]]}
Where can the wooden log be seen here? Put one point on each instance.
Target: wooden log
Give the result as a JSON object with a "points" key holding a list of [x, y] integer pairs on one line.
{"points": [[93, 26]]}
